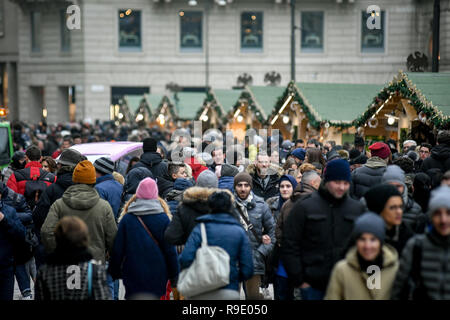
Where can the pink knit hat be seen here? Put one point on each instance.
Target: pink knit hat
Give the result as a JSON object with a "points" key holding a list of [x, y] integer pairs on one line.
{"points": [[147, 189]]}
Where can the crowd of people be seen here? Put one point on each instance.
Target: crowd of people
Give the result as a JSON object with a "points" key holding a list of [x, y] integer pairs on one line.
{"points": [[315, 220]]}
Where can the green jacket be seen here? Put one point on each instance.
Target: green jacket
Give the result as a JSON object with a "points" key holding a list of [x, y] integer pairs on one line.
{"points": [[83, 201], [348, 282]]}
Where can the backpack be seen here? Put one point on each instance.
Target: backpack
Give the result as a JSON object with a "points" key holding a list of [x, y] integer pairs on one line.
{"points": [[209, 271], [34, 185]]}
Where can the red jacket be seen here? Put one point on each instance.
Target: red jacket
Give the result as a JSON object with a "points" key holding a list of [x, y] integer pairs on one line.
{"points": [[56, 154], [32, 168], [197, 168]]}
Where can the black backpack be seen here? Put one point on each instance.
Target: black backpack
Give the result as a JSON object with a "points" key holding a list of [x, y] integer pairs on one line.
{"points": [[34, 185]]}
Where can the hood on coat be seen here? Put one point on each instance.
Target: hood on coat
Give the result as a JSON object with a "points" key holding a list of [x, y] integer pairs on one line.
{"points": [[151, 158], [64, 180], [390, 256], [229, 170], [227, 218], [134, 177], [375, 162], [394, 173], [142, 207], [182, 184], [441, 152], [199, 194], [175, 195], [80, 197]]}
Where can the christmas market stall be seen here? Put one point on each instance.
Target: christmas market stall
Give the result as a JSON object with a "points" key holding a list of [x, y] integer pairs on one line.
{"points": [[412, 106], [139, 107], [252, 109], [324, 111]]}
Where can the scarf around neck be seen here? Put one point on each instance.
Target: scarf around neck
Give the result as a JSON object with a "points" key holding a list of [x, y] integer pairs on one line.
{"points": [[243, 204]]}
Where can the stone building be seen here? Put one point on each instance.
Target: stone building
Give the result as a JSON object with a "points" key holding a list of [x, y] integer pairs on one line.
{"points": [[140, 46]]}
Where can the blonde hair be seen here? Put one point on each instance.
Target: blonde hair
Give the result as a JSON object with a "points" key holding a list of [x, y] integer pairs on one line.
{"points": [[307, 167], [163, 203]]}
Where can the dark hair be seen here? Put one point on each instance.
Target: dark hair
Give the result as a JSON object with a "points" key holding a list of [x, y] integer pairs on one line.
{"points": [[406, 163], [51, 163], [173, 168], [315, 155], [68, 138], [299, 141], [71, 232], [75, 136], [33, 153], [316, 143], [131, 164], [220, 202], [426, 145], [443, 137]]}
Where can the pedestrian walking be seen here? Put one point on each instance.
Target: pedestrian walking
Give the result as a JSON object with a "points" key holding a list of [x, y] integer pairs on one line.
{"points": [[350, 277]]}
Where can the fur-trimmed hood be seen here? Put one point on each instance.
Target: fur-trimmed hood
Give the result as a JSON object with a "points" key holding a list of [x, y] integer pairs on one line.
{"points": [[199, 194]]}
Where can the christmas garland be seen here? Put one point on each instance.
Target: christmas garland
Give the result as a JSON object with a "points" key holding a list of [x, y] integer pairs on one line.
{"points": [[210, 98], [171, 107], [245, 95]]}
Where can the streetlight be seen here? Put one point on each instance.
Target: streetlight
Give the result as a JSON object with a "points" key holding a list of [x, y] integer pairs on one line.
{"points": [[192, 3]]}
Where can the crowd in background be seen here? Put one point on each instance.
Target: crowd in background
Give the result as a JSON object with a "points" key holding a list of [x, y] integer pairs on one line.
{"points": [[309, 217]]}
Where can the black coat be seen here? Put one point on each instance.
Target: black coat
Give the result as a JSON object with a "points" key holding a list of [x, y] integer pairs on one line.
{"points": [[364, 178], [48, 197], [272, 189], [439, 159], [399, 236], [154, 162], [315, 236]]}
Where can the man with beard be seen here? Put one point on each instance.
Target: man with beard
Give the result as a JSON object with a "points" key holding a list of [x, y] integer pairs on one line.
{"points": [[265, 178]]}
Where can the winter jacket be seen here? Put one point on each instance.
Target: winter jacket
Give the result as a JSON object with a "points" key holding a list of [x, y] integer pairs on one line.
{"points": [[175, 196], [434, 267], [226, 182], [13, 199], [439, 159], [154, 162], [18, 179], [260, 216], [274, 204], [193, 205], [11, 231], [349, 282], [53, 277], [315, 235], [300, 192], [144, 265], [398, 236], [83, 201], [110, 190], [272, 187], [367, 176], [413, 215], [224, 231], [48, 197]]}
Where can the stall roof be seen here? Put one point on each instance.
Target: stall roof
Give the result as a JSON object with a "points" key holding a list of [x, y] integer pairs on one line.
{"points": [[133, 102], [153, 100], [188, 104], [337, 102], [435, 88], [226, 98], [266, 97]]}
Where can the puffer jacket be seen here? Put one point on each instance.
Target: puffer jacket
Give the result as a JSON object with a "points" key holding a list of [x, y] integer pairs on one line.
{"points": [[110, 190], [434, 267], [175, 196], [154, 162], [349, 282], [11, 231], [439, 159], [83, 201], [315, 236], [367, 176], [263, 223], [224, 231]]}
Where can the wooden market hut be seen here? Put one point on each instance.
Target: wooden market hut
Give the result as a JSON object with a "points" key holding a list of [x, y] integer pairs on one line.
{"points": [[217, 105], [252, 109], [165, 115], [414, 105], [324, 111], [139, 108]]}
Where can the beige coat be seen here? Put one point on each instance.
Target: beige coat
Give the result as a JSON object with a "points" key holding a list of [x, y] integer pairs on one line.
{"points": [[348, 282]]}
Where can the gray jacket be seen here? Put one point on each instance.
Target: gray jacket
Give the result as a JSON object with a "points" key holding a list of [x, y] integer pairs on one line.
{"points": [[261, 218], [434, 267], [367, 176]]}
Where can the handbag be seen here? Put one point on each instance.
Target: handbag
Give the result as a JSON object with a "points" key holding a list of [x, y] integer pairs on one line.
{"points": [[209, 271]]}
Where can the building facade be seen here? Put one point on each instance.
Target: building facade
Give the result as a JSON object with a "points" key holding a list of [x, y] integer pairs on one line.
{"points": [[140, 46]]}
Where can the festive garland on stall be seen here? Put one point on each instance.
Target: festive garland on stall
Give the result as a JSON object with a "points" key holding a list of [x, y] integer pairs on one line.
{"points": [[171, 107], [404, 87], [245, 95]]}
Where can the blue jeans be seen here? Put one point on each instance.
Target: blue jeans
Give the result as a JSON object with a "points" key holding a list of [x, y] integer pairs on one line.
{"points": [[282, 289], [312, 294], [112, 284], [7, 284], [23, 280]]}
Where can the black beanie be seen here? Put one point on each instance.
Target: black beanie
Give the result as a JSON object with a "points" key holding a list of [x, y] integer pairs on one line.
{"points": [[150, 145], [377, 196], [220, 202]]}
